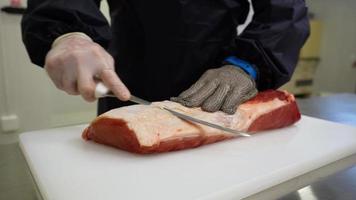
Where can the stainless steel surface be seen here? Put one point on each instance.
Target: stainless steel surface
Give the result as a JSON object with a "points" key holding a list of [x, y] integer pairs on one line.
{"points": [[189, 118], [339, 108], [340, 186]]}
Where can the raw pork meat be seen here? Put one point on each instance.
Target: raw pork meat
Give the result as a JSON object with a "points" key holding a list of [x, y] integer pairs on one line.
{"points": [[149, 129]]}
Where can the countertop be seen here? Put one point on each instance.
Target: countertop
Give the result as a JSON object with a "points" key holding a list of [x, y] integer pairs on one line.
{"points": [[340, 108]]}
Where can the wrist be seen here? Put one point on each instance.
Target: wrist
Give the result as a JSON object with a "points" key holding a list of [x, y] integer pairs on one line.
{"points": [[244, 65], [70, 35]]}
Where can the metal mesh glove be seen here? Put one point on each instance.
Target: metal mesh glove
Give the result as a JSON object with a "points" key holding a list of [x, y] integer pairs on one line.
{"points": [[223, 89]]}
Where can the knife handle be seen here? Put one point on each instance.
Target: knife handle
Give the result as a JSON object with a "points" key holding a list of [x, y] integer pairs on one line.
{"points": [[101, 90]]}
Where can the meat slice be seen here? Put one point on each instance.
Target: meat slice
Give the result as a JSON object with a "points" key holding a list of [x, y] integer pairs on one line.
{"points": [[150, 129]]}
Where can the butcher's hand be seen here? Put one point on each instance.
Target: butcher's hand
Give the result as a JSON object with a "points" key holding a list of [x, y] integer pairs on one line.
{"points": [[222, 89], [75, 63]]}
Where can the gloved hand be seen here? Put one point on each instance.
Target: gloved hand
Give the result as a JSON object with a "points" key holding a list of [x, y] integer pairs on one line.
{"points": [[223, 89], [75, 62]]}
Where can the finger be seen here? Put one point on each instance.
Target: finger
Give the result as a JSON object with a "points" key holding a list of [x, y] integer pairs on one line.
{"points": [[232, 101], [57, 80], [215, 101], [175, 99], [69, 82], [192, 90], [109, 61], [235, 98], [113, 82], [195, 87], [252, 93], [54, 73], [70, 87], [86, 86], [201, 95]]}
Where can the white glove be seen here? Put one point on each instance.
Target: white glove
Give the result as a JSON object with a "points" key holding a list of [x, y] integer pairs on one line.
{"points": [[75, 62]]}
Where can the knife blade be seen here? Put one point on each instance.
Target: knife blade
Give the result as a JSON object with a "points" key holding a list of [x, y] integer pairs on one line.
{"points": [[193, 119], [102, 91]]}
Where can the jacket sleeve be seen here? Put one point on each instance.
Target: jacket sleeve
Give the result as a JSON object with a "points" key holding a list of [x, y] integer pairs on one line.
{"points": [[45, 20], [273, 39]]}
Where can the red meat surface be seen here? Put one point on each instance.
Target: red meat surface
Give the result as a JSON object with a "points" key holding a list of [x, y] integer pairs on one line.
{"points": [[151, 129]]}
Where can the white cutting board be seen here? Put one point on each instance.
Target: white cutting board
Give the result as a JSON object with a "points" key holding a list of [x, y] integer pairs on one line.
{"points": [[66, 167]]}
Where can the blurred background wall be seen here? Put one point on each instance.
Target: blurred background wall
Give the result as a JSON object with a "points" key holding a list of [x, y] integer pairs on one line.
{"points": [[327, 63], [28, 99], [336, 72]]}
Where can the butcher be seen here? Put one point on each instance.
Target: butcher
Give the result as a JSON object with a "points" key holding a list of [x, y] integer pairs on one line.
{"points": [[188, 51]]}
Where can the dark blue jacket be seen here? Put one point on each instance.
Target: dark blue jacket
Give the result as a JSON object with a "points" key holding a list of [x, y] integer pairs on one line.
{"points": [[161, 47]]}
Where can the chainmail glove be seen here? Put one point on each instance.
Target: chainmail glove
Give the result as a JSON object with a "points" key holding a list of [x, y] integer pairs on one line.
{"points": [[222, 89]]}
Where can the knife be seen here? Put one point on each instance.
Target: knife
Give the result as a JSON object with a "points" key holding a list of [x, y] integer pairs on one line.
{"points": [[102, 91]]}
